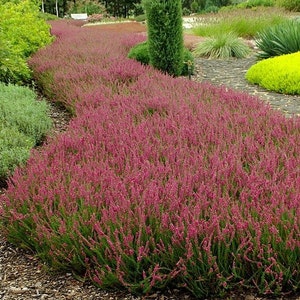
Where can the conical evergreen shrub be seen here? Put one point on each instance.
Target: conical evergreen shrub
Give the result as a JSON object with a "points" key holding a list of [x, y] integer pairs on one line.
{"points": [[165, 35]]}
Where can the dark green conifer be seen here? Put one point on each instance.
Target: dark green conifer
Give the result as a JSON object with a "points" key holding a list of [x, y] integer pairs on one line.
{"points": [[165, 35]]}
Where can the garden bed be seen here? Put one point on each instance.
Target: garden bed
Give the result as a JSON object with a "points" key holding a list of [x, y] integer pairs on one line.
{"points": [[153, 103]]}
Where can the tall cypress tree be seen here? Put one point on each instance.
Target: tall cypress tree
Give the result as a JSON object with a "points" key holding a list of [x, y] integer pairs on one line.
{"points": [[165, 35]]}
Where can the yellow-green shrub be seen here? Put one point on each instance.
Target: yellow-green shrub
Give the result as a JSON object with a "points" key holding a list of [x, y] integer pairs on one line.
{"points": [[22, 32], [280, 74]]}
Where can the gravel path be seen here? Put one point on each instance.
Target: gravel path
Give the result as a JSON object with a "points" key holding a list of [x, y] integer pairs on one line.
{"points": [[231, 73]]}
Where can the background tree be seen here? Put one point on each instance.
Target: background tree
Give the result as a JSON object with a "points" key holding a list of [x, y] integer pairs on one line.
{"points": [[120, 8], [195, 6], [87, 6], [165, 35]]}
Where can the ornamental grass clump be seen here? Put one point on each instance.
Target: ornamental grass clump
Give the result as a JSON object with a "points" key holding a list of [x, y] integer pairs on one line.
{"points": [[158, 182], [222, 46], [244, 23]]}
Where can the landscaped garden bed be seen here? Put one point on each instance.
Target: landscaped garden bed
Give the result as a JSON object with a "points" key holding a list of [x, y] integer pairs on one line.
{"points": [[158, 182]]}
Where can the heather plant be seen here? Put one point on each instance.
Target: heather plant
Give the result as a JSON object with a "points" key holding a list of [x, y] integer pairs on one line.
{"points": [[222, 46], [22, 32], [158, 182], [165, 35], [280, 74], [140, 52], [244, 23], [278, 40]]}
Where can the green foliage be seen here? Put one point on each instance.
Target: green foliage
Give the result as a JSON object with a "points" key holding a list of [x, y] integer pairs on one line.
{"points": [[291, 5], [90, 7], [138, 9], [19, 109], [165, 35], [222, 46], [140, 18], [280, 74], [14, 149], [47, 16], [186, 11], [211, 9], [22, 32], [23, 28], [13, 68], [188, 63], [277, 40], [140, 52], [244, 24], [195, 6], [215, 3], [23, 124], [255, 3]]}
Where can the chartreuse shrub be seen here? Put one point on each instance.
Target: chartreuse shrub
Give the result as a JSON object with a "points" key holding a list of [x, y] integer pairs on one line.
{"points": [[22, 32], [277, 40], [280, 74], [24, 123], [13, 68], [165, 35], [140, 52], [158, 182], [222, 46]]}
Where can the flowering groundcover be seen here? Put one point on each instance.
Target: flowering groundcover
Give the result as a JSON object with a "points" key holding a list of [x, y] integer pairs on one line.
{"points": [[158, 181]]}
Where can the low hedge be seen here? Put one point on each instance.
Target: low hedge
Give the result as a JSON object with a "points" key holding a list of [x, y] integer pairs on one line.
{"points": [[24, 124], [280, 74], [140, 52]]}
